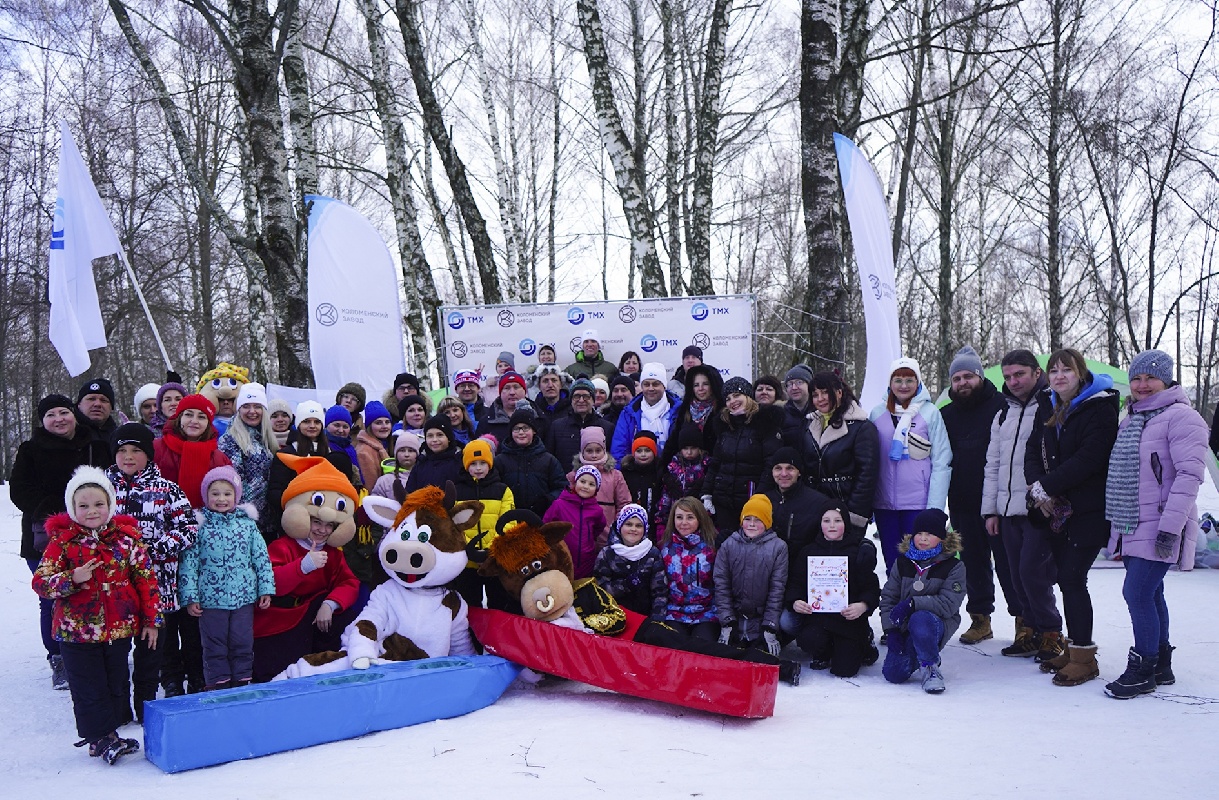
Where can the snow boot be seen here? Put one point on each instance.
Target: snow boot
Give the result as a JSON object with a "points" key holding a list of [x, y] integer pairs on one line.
{"points": [[1026, 645], [1164, 676], [1139, 678], [1081, 666], [1053, 653], [933, 679], [173, 689], [979, 630], [789, 672], [59, 675], [112, 747]]}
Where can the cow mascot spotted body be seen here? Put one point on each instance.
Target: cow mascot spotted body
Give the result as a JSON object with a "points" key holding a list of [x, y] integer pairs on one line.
{"points": [[412, 615]]}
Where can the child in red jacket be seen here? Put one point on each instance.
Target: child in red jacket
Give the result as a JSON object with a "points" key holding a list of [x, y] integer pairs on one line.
{"points": [[105, 592]]}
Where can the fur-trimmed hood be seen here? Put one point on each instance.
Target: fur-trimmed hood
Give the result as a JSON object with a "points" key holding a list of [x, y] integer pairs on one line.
{"points": [[62, 526], [952, 545], [823, 436]]}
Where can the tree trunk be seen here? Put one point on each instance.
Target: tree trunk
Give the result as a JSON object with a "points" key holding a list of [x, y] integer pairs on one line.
{"points": [[555, 154], [910, 135], [707, 127], [300, 112], [454, 167], [673, 154], [442, 228], [1056, 101]]}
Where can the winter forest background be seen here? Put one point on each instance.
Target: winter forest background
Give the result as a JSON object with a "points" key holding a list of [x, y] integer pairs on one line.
{"points": [[1052, 169]]}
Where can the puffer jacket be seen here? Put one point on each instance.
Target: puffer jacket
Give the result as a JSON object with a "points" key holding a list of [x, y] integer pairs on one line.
{"points": [[862, 584], [968, 421], [683, 413], [166, 520], [534, 475], [41, 470], [750, 580], [638, 586], [370, 452], [1172, 468], [631, 419], [643, 482], [680, 479], [612, 495], [843, 461], [942, 591], [498, 423], [229, 568], [584, 368], [496, 498], [254, 467], [913, 483], [742, 456], [435, 469], [1004, 487], [118, 601], [1075, 463], [588, 530], [797, 519], [689, 564]]}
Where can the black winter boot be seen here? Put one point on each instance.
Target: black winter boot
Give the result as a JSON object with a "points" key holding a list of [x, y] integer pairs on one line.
{"points": [[1164, 676], [1139, 678], [789, 672]]}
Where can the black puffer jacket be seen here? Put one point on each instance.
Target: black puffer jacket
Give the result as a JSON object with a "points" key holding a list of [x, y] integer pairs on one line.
{"points": [[797, 517], [1075, 463], [435, 469], [863, 586], [843, 461], [644, 483], [534, 475], [41, 470], [741, 456], [563, 433], [683, 414], [968, 424]]}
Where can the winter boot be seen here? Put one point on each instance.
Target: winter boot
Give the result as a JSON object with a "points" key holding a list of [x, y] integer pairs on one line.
{"points": [[59, 675], [1164, 676], [112, 747], [933, 680], [173, 689], [1139, 678], [141, 698], [1081, 666], [1053, 653], [1027, 643], [789, 672], [979, 630], [241, 683]]}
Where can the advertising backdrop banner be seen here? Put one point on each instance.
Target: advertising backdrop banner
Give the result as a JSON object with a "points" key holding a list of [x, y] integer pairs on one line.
{"points": [[658, 330]]}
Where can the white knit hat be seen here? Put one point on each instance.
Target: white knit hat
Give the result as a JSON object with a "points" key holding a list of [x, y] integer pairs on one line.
{"points": [[146, 392], [88, 476], [907, 363], [252, 393], [310, 409], [653, 370], [589, 334]]}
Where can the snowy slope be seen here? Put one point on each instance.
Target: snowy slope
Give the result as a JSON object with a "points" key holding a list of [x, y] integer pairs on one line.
{"points": [[1001, 730]]}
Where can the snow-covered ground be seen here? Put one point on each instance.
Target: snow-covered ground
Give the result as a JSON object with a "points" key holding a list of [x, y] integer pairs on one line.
{"points": [[1001, 730]]}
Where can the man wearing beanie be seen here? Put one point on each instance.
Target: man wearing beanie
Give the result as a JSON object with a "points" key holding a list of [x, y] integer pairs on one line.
{"points": [[974, 405], [511, 394], [655, 409], [798, 384], [563, 431], [796, 507], [621, 392], [95, 402], [1027, 547], [750, 579], [590, 360]]}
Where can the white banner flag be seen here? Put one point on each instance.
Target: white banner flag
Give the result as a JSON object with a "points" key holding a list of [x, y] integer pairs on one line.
{"points": [[80, 233], [872, 236], [355, 319]]}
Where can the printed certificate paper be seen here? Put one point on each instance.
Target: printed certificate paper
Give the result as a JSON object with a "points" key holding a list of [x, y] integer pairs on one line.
{"points": [[827, 583]]}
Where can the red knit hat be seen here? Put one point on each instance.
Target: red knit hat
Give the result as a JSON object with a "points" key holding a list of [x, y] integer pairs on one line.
{"points": [[199, 403]]}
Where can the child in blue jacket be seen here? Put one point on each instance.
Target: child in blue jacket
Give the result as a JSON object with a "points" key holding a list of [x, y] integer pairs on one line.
{"points": [[222, 577]]}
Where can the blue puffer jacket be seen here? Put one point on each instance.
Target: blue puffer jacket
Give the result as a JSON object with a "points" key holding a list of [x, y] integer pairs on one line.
{"points": [[229, 567], [630, 419]]}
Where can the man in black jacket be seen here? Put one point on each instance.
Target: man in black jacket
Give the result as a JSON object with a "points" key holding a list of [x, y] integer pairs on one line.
{"points": [[974, 403], [563, 434], [95, 404]]}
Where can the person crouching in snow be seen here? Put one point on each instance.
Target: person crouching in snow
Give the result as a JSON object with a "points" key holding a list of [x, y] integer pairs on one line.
{"points": [[750, 579], [920, 606], [630, 568], [100, 577]]}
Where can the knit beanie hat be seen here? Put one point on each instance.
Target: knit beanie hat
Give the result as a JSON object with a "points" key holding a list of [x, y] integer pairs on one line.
{"points": [[788, 455], [170, 387], [252, 393], [88, 476], [354, 389], [146, 392], [599, 385], [337, 414], [645, 439], [523, 416], [439, 422], [477, 450], [96, 386], [690, 436], [509, 358], [587, 469], [622, 380], [654, 371], [799, 373], [279, 404], [907, 363], [629, 511], [1155, 363], [196, 402], [492, 441], [1020, 357], [584, 385], [406, 379], [54, 401], [374, 411], [966, 359], [511, 377], [407, 439], [737, 385], [310, 409], [589, 335], [758, 506], [465, 376], [136, 433], [933, 521], [593, 434], [226, 474], [412, 400], [693, 350]]}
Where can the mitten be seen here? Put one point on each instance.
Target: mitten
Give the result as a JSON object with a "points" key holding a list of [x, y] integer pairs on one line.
{"points": [[772, 642], [1165, 542], [707, 504], [901, 611]]}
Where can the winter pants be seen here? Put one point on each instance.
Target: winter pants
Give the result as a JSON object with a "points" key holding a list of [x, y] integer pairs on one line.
{"points": [[893, 527], [919, 644], [667, 634], [470, 585], [707, 631], [1073, 562], [845, 654], [1144, 593], [273, 654], [146, 668], [182, 658], [228, 644], [977, 547], [46, 613], [97, 677], [1033, 572]]}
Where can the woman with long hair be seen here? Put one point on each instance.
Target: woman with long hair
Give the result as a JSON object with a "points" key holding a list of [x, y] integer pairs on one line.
{"points": [[841, 449]]}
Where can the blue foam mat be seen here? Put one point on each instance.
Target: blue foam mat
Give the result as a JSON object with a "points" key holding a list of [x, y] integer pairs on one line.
{"points": [[202, 730]]}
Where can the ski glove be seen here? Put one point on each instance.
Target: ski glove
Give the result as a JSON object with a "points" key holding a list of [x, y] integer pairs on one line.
{"points": [[1165, 542], [902, 611], [772, 643]]}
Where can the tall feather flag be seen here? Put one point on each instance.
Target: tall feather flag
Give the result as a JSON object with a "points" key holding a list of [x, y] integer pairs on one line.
{"points": [[80, 233]]}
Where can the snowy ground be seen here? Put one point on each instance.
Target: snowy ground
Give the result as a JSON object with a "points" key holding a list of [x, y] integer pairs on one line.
{"points": [[1001, 730]]}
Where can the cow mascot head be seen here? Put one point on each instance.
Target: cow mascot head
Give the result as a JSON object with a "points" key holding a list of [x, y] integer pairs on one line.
{"points": [[425, 544]]}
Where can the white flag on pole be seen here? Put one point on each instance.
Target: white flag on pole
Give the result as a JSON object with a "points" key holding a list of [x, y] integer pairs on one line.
{"points": [[872, 236], [80, 233]]}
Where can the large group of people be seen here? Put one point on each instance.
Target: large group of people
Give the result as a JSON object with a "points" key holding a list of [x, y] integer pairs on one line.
{"points": [[695, 501]]}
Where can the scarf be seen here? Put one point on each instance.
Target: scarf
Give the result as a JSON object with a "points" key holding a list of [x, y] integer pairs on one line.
{"points": [[633, 553], [194, 460], [914, 554], [899, 448], [700, 410], [653, 418], [1122, 486], [281, 439]]}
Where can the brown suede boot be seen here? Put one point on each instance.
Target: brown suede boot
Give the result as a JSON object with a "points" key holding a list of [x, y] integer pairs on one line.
{"points": [[979, 629], [1053, 653], [1082, 667]]}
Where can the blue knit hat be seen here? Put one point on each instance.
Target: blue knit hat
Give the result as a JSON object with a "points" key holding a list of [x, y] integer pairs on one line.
{"points": [[375, 410], [337, 414], [632, 510], [587, 469]]}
